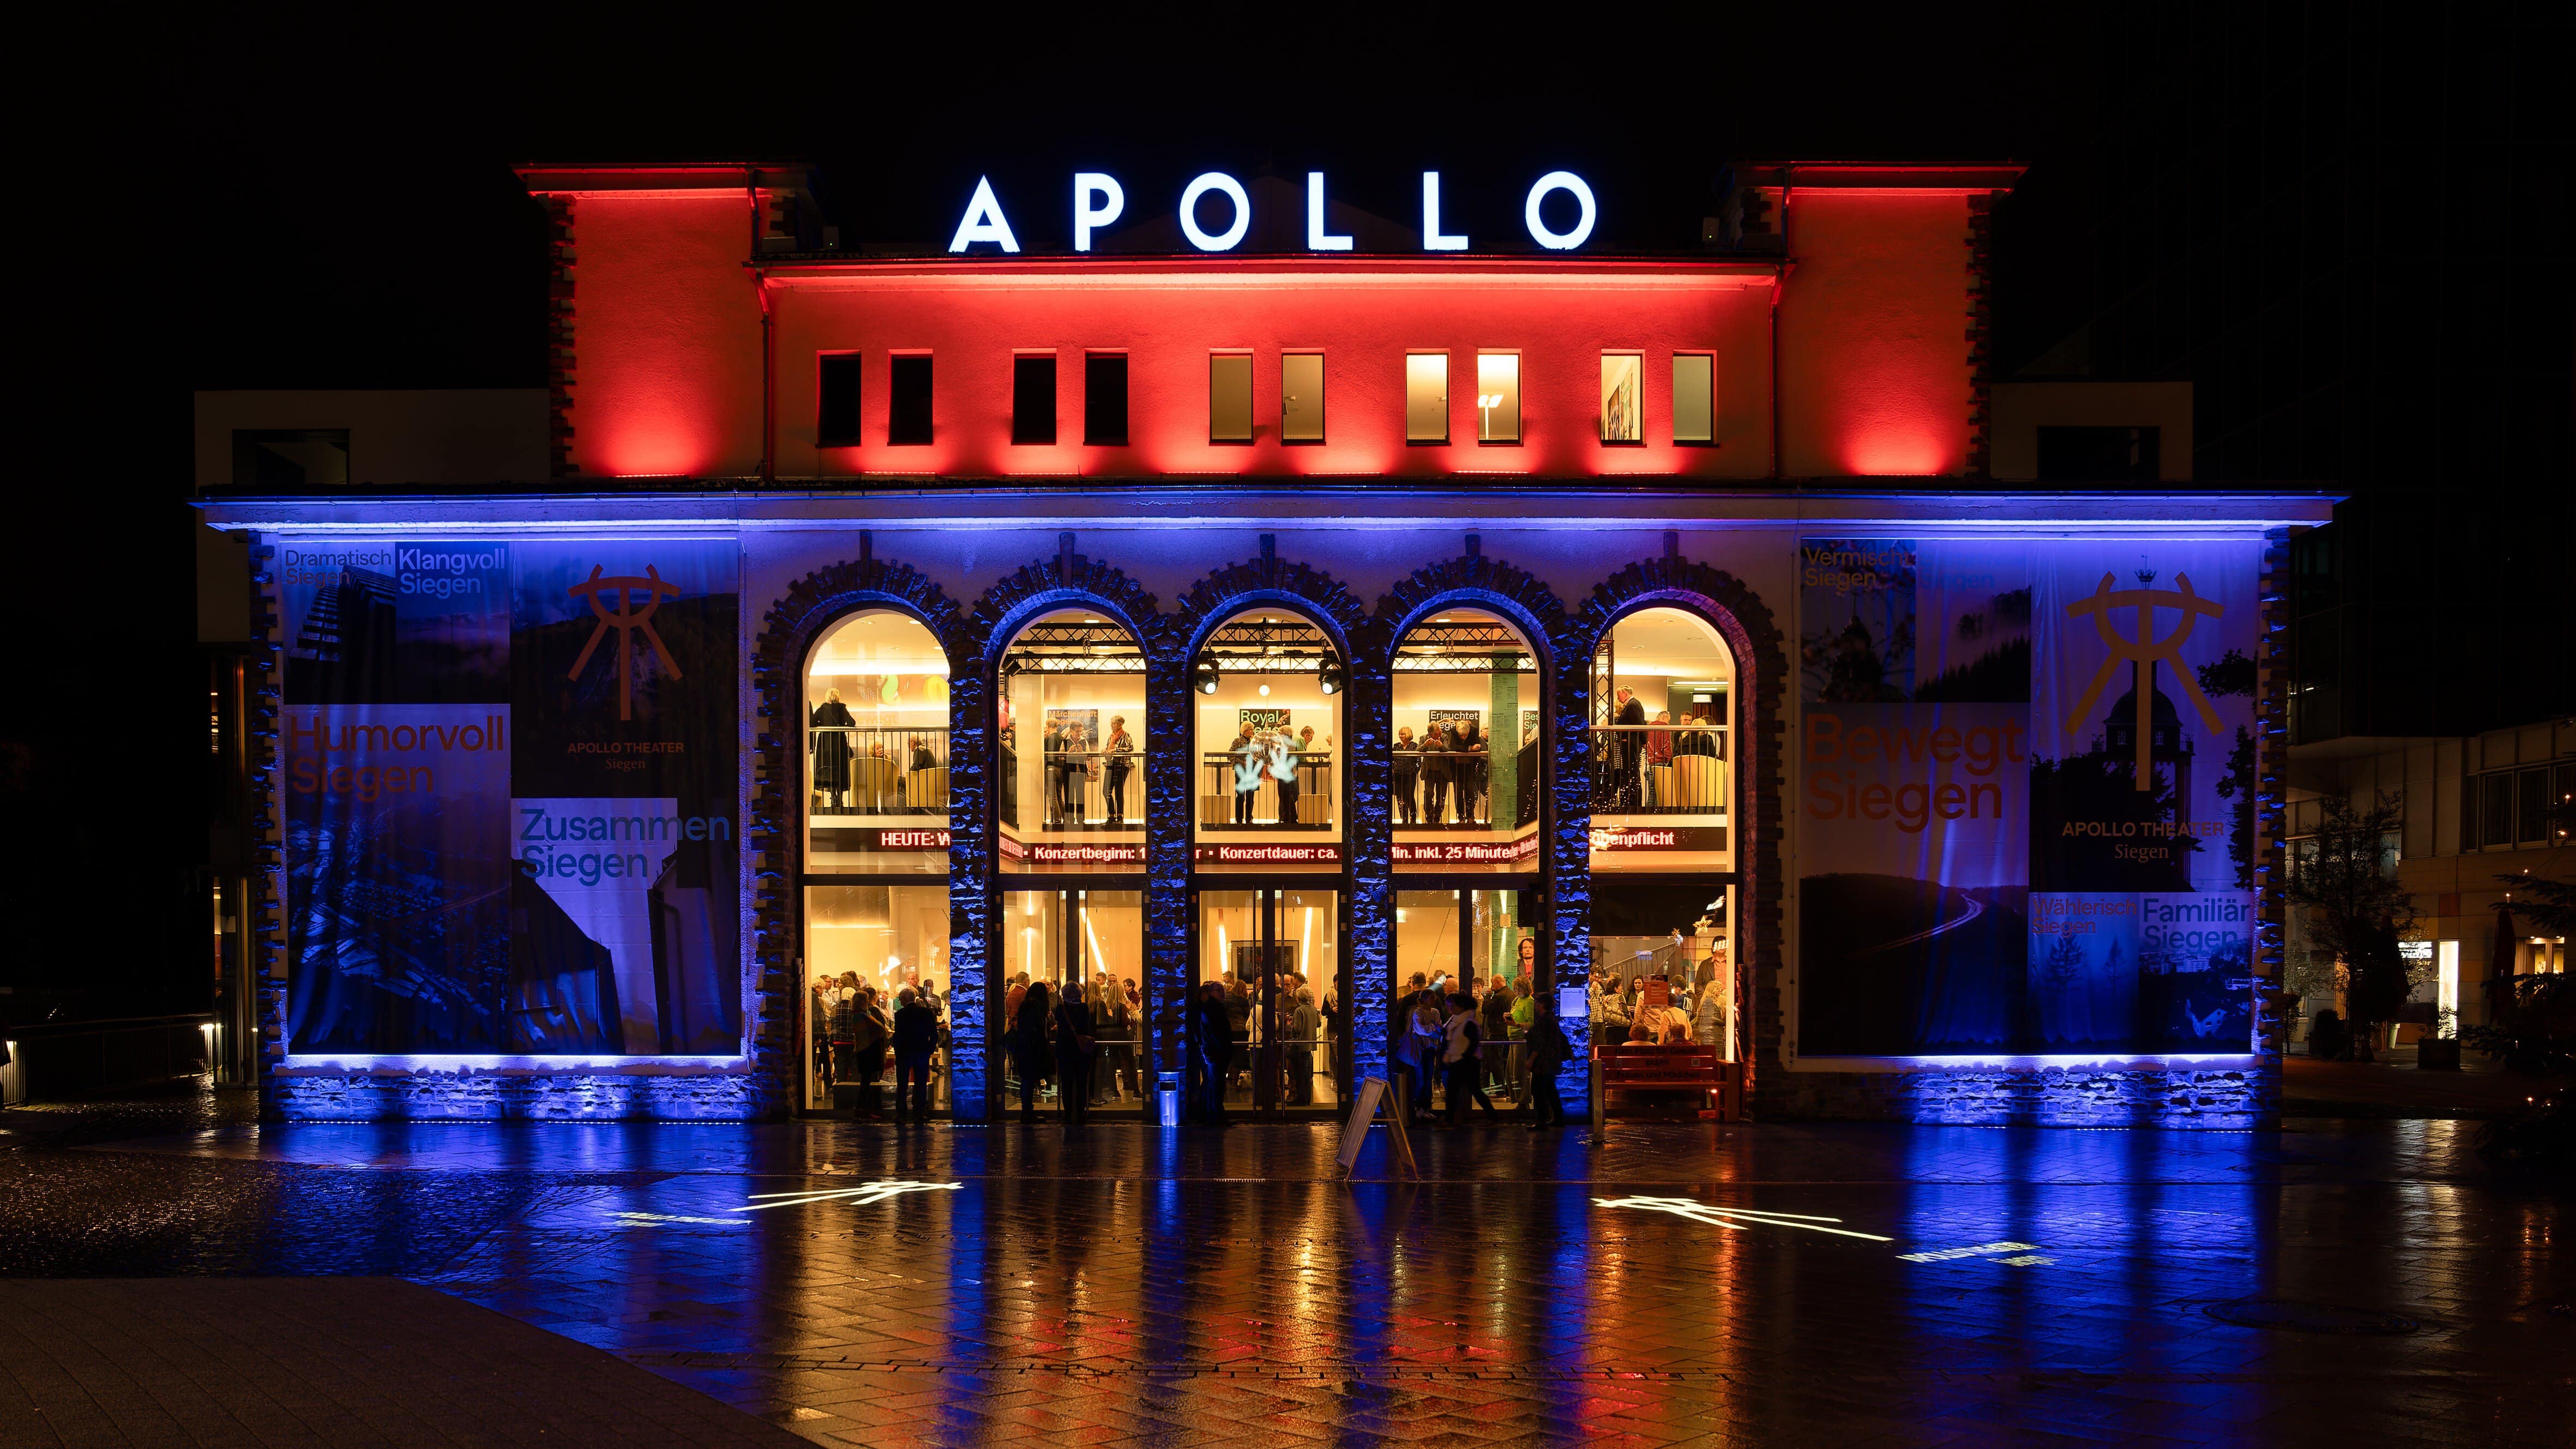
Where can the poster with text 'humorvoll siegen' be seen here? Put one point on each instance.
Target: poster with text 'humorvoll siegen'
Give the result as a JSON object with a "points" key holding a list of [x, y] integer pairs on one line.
{"points": [[2026, 779], [509, 782]]}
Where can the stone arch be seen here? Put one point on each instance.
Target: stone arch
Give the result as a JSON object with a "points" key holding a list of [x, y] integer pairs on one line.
{"points": [[1366, 940], [1068, 580], [1761, 660], [788, 634]]}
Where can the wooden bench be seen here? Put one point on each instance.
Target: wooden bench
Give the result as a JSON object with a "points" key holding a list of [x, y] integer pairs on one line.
{"points": [[1716, 1088]]}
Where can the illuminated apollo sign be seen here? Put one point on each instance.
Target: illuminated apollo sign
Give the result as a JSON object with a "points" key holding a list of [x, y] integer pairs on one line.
{"points": [[1098, 201]]}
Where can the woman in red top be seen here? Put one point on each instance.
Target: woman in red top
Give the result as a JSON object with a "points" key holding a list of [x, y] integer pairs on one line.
{"points": [[1659, 754]]}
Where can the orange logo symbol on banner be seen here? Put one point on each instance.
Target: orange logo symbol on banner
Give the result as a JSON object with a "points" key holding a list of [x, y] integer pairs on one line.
{"points": [[626, 619], [2145, 650]]}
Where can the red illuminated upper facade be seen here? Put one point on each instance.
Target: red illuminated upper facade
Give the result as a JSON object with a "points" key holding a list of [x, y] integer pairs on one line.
{"points": [[690, 334]]}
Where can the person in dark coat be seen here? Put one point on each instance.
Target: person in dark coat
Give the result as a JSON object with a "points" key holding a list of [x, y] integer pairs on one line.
{"points": [[1435, 775], [1028, 1045], [1212, 1046], [916, 1037], [1469, 745], [873, 1034], [832, 724], [1548, 1051], [1408, 777], [1627, 752], [1077, 1045]]}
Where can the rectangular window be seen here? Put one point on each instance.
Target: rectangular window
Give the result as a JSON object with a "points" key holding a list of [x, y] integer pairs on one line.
{"points": [[1623, 397], [1498, 397], [1230, 397], [1033, 399], [1104, 398], [908, 409], [1426, 397], [2495, 809], [2531, 806], [1301, 397], [836, 400], [1694, 398]]}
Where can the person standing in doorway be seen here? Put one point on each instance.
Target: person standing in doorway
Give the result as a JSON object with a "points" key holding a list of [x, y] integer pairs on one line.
{"points": [[916, 1036], [873, 1034], [1548, 1052], [1076, 1043], [1028, 1044], [1214, 1048], [1303, 1025]]}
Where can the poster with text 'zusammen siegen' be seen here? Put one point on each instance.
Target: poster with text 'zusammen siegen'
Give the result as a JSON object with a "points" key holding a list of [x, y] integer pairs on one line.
{"points": [[509, 775], [2026, 778]]}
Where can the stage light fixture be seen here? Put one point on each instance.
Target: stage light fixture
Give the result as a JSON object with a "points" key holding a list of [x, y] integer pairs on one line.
{"points": [[1331, 677], [1204, 673]]}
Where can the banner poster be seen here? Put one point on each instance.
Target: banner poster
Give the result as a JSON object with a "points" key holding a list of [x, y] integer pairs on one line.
{"points": [[2026, 775], [510, 771]]}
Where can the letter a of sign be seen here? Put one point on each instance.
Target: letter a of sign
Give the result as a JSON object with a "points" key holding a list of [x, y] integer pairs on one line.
{"points": [[983, 221]]}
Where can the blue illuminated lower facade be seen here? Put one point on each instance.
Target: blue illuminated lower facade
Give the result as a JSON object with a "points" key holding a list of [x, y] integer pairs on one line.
{"points": [[1905, 804]]}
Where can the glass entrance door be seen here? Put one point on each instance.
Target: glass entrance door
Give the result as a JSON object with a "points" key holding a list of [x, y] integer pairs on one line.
{"points": [[1087, 944], [1470, 948], [1276, 955]]}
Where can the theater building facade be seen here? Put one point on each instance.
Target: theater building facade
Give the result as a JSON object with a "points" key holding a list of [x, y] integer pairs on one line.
{"points": [[1633, 637]]}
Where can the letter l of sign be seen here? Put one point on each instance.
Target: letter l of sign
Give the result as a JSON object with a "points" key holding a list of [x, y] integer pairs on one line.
{"points": [[983, 221], [1317, 239], [1432, 239]]}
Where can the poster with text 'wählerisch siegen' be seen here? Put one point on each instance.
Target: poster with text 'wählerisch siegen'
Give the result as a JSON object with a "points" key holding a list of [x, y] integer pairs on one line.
{"points": [[2026, 774], [510, 780]]}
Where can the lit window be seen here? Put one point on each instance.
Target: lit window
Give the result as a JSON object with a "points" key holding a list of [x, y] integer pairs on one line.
{"points": [[1498, 397], [1623, 397], [1693, 398], [1301, 397], [1104, 398], [908, 408], [1230, 397], [836, 401], [1033, 398], [1426, 397]]}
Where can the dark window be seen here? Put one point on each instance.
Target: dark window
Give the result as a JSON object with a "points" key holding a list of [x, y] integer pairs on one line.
{"points": [[2562, 798], [836, 407], [2098, 455], [2495, 809], [908, 410], [1104, 398], [1033, 398], [2532, 804], [290, 457]]}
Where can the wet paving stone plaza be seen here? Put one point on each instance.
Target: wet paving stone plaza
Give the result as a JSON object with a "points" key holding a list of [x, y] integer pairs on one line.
{"points": [[171, 1276]]}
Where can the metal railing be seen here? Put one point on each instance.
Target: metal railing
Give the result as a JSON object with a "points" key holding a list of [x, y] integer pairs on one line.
{"points": [[1224, 805], [1659, 769], [878, 770], [1082, 788]]}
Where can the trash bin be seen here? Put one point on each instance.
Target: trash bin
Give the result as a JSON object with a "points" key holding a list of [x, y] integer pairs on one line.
{"points": [[1167, 1088]]}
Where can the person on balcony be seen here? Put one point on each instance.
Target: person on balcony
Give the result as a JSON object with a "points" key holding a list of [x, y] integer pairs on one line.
{"points": [[1467, 742], [1281, 760], [832, 727], [1408, 777], [1659, 756], [1627, 751], [1246, 754], [1118, 754], [1435, 775]]}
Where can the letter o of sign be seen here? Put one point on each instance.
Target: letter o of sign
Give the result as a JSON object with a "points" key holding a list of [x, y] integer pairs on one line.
{"points": [[1225, 240], [1559, 241]]}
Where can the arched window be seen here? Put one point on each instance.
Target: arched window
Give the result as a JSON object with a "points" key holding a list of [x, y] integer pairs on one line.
{"points": [[1266, 690], [1069, 805], [1662, 755], [876, 858], [876, 747], [1069, 782], [1466, 753]]}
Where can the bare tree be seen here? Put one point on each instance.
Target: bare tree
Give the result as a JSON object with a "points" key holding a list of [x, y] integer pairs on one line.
{"points": [[2356, 910]]}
